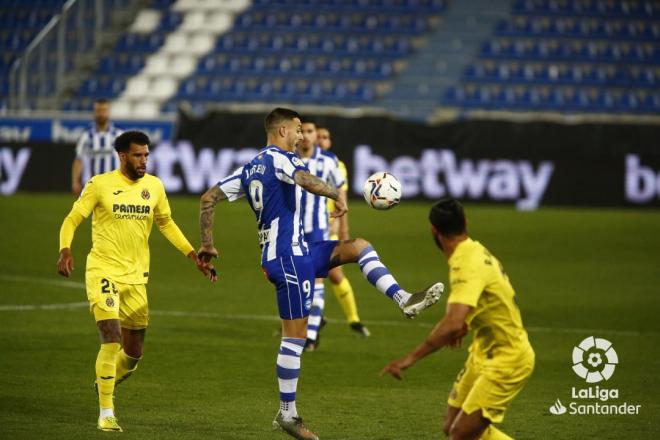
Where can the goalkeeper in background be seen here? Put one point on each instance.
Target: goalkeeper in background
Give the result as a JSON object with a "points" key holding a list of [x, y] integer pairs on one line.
{"points": [[125, 203], [339, 231], [482, 299]]}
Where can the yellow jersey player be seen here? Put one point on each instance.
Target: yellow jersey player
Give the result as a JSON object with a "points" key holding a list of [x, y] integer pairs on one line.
{"points": [[125, 203], [482, 300], [341, 287]]}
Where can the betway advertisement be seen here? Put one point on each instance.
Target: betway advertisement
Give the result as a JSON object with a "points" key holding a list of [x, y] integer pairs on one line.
{"points": [[522, 165]]}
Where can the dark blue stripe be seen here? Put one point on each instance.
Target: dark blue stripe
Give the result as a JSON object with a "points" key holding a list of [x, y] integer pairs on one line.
{"points": [[368, 260], [394, 288], [365, 252], [288, 352], [298, 341], [287, 397], [287, 373], [376, 273]]}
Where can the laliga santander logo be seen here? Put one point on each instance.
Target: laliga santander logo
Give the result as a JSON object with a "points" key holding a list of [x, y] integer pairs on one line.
{"points": [[594, 359]]}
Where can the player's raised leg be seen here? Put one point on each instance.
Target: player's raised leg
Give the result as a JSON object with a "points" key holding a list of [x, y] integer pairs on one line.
{"points": [[360, 251], [110, 333]]}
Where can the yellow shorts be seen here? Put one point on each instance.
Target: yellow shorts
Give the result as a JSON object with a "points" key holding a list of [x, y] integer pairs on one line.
{"points": [[490, 388], [111, 300], [334, 237]]}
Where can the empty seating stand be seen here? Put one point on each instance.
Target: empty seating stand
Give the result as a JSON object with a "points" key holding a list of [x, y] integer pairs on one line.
{"points": [[567, 56]]}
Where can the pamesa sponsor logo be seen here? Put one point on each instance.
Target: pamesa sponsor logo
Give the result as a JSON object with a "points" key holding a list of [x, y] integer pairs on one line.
{"points": [[594, 360]]}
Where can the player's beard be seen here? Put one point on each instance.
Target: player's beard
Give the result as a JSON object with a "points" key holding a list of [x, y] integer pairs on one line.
{"points": [[134, 173]]}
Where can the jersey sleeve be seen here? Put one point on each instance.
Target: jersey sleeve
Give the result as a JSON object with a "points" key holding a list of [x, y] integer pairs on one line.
{"points": [[338, 179], [81, 209], [466, 283], [231, 185], [82, 144], [167, 226], [286, 166]]}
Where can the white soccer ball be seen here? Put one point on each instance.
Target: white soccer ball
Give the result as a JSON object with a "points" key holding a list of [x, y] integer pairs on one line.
{"points": [[382, 191]]}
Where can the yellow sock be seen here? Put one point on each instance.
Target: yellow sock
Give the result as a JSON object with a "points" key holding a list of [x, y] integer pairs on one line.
{"points": [[125, 365], [492, 433], [344, 293], [106, 372]]}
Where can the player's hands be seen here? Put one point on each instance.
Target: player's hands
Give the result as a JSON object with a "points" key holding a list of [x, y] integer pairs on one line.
{"points": [[204, 267], [65, 263], [395, 368], [206, 253], [341, 208]]}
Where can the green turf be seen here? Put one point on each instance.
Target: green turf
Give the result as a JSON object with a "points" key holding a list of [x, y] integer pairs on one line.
{"points": [[209, 373]]}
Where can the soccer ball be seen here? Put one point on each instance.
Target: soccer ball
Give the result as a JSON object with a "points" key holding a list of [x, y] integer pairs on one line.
{"points": [[382, 191]]}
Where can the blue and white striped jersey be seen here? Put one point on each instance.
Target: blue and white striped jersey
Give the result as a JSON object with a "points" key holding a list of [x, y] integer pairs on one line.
{"points": [[268, 182], [324, 165], [96, 150]]}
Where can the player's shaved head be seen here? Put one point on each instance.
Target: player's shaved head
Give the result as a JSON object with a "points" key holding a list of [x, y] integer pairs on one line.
{"points": [[448, 217], [277, 117]]}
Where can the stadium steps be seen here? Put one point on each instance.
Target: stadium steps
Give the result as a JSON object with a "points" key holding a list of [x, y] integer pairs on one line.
{"points": [[417, 91], [159, 79]]}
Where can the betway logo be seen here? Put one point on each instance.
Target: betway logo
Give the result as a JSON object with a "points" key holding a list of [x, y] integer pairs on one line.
{"points": [[642, 182], [178, 164], [14, 134], [71, 134], [12, 168], [439, 173]]}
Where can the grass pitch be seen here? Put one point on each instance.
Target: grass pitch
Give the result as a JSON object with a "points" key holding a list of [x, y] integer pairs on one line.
{"points": [[208, 370]]}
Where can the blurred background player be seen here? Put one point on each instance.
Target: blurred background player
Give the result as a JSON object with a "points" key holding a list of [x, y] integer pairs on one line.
{"points": [[324, 165], [272, 181], [341, 287], [95, 153], [501, 359], [125, 203]]}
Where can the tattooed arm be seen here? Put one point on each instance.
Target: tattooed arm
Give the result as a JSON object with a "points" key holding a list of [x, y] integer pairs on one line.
{"points": [[207, 210], [317, 186]]}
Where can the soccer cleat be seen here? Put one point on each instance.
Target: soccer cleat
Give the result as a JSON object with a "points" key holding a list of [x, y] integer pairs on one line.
{"points": [[293, 427], [360, 329], [311, 345], [109, 424], [422, 300]]}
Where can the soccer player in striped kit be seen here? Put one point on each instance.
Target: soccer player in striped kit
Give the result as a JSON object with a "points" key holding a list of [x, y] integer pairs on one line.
{"points": [[95, 151], [270, 183], [340, 284], [324, 165]]}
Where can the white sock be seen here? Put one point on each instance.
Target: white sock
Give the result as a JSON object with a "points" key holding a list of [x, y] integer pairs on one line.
{"points": [[401, 297], [106, 412], [288, 410]]}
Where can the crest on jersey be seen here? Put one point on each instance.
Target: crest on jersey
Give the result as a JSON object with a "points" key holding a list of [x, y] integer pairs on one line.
{"points": [[297, 162], [145, 194], [109, 302]]}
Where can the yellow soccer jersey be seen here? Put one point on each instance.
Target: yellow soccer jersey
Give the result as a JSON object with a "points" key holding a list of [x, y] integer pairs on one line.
{"points": [[124, 211], [331, 203], [478, 280]]}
